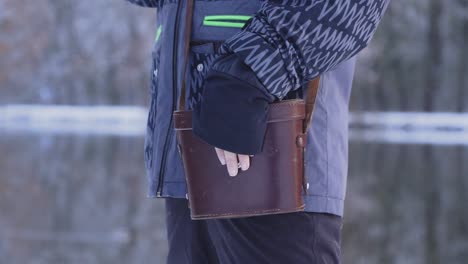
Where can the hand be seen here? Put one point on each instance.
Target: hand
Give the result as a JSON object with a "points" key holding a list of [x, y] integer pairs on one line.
{"points": [[233, 161]]}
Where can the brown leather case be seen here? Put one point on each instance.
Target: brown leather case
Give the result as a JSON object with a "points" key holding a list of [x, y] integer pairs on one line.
{"points": [[272, 184]]}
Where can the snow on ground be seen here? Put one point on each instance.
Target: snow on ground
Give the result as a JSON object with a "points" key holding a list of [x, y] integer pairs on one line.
{"points": [[390, 127], [441, 128], [397, 136], [100, 120], [411, 120]]}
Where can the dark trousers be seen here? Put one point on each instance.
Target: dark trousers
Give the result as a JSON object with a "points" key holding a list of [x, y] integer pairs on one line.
{"points": [[294, 238]]}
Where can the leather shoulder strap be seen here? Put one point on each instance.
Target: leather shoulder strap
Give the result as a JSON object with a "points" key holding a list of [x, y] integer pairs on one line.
{"points": [[187, 36], [311, 96]]}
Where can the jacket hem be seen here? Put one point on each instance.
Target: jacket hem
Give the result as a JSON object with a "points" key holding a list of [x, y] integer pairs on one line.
{"points": [[324, 204]]}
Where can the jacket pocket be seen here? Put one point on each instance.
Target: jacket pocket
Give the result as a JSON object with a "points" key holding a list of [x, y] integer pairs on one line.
{"points": [[151, 120], [154, 72], [201, 57]]}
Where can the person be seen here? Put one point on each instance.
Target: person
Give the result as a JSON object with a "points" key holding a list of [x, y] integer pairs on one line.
{"points": [[246, 54]]}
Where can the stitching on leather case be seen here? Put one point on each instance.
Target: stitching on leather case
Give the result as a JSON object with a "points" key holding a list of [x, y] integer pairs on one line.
{"points": [[249, 212]]}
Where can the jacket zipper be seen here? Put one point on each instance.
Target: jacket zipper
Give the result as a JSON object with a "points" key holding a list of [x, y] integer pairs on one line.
{"points": [[174, 102]]}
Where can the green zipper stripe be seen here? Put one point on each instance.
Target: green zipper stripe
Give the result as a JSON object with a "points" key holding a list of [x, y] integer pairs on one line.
{"points": [[158, 34], [227, 17], [223, 24], [235, 21]]}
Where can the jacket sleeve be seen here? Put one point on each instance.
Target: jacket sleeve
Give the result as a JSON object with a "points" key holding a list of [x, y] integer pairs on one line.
{"points": [[286, 44], [145, 3]]}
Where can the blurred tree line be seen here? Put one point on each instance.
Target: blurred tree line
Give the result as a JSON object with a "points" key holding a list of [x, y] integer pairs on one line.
{"points": [[98, 52], [417, 60], [74, 52]]}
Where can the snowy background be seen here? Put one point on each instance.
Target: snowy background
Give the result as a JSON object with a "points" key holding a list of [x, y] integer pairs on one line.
{"points": [[74, 79]]}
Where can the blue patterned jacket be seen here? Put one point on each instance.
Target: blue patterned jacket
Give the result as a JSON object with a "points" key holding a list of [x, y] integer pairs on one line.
{"points": [[245, 55]]}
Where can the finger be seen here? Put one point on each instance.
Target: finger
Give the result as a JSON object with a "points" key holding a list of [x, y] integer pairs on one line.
{"points": [[231, 162], [244, 161], [221, 157]]}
